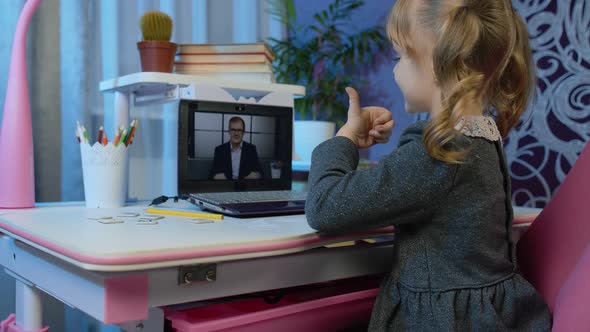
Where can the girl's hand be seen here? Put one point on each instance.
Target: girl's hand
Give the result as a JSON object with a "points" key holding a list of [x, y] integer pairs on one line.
{"points": [[366, 126]]}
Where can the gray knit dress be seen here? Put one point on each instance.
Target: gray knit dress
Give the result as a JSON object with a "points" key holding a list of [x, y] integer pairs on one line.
{"points": [[454, 266]]}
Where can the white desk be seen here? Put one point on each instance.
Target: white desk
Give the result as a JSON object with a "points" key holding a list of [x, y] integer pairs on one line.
{"points": [[121, 273]]}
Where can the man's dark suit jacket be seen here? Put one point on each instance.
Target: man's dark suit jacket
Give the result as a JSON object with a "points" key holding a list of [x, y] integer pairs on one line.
{"points": [[248, 161]]}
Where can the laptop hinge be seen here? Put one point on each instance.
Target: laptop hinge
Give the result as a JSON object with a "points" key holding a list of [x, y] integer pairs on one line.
{"points": [[194, 273]]}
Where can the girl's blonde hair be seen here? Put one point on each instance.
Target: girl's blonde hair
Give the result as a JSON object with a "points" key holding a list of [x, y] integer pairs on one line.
{"points": [[481, 57]]}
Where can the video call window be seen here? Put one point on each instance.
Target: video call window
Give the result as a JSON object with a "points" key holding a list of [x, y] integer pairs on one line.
{"points": [[211, 131]]}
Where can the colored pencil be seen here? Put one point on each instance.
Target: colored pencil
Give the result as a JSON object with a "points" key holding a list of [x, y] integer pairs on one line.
{"points": [[117, 138], [185, 213], [100, 133], [123, 137], [132, 132]]}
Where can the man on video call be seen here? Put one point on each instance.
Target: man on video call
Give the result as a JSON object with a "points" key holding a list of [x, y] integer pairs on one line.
{"points": [[236, 159]]}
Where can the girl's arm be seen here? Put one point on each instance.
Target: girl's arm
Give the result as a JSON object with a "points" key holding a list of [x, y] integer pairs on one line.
{"points": [[406, 186]]}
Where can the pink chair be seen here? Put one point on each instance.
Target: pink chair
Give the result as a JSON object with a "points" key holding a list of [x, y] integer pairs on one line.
{"points": [[554, 253], [571, 311]]}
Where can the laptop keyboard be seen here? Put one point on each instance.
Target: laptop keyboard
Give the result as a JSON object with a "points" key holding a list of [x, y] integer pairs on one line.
{"points": [[253, 196]]}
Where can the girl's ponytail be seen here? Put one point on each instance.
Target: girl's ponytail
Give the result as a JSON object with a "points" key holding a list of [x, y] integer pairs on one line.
{"points": [[481, 59], [455, 73], [515, 87]]}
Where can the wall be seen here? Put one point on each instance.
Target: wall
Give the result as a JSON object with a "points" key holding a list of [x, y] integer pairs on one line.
{"points": [[557, 126]]}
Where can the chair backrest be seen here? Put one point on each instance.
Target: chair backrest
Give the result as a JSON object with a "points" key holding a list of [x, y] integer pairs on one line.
{"points": [[549, 251], [571, 304]]}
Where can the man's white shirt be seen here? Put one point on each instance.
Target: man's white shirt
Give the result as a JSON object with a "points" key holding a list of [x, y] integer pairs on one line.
{"points": [[236, 154]]}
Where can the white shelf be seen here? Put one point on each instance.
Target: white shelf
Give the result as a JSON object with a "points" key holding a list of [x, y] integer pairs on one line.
{"points": [[150, 88], [150, 83]]}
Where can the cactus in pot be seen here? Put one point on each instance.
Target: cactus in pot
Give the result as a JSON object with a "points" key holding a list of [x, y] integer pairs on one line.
{"points": [[156, 50], [156, 25]]}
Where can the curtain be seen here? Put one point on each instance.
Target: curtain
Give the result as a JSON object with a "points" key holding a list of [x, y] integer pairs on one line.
{"points": [[73, 45]]}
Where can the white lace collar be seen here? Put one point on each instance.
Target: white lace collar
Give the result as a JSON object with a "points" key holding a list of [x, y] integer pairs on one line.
{"points": [[479, 126]]}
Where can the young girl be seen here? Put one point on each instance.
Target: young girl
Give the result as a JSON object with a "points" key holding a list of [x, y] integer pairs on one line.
{"points": [[447, 187]]}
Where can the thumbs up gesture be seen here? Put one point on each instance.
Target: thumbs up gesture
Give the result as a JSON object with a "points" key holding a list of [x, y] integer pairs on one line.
{"points": [[368, 125]]}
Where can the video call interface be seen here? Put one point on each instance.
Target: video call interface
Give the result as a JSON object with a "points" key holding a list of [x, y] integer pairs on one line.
{"points": [[229, 147]]}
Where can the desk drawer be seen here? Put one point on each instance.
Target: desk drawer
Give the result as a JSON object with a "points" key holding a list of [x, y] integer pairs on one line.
{"points": [[324, 307]]}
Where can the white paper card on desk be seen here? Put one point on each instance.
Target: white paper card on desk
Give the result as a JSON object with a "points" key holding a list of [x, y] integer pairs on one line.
{"points": [[146, 222], [202, 221], [128, 215], [110, 221]]}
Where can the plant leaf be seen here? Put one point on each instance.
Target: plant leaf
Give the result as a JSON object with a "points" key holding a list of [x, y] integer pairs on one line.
{"points": [[325, 58]]}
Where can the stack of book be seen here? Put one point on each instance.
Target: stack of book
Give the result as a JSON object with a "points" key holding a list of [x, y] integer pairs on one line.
{"points": [[242, 62]]}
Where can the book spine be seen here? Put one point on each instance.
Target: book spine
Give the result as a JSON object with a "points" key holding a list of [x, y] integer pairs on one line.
{"points": [[223, 58], [226, 67], [256, 48]]}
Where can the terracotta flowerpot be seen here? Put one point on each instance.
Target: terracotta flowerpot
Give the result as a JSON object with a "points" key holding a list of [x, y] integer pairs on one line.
{"points": [[157, 55]]}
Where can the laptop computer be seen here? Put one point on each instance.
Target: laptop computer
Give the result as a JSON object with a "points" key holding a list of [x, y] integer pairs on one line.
{"points": [[235, 158]]}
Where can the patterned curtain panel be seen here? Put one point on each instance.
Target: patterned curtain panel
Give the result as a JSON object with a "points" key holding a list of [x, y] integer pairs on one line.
{"points": [[553, 132]]}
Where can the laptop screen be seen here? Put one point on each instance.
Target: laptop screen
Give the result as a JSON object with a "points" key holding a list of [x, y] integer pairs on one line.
{"points": [[233, 147]]}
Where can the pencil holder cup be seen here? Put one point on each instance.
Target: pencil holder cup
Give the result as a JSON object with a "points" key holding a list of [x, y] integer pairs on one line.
{"points": [[104, 169]]}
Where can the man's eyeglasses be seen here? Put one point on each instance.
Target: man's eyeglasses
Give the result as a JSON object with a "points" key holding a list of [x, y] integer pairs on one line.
{"points": [[233, 130]]}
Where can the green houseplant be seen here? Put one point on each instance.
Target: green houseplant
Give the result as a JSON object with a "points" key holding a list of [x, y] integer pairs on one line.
{"points": [[325, 56], [155, 50]]}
